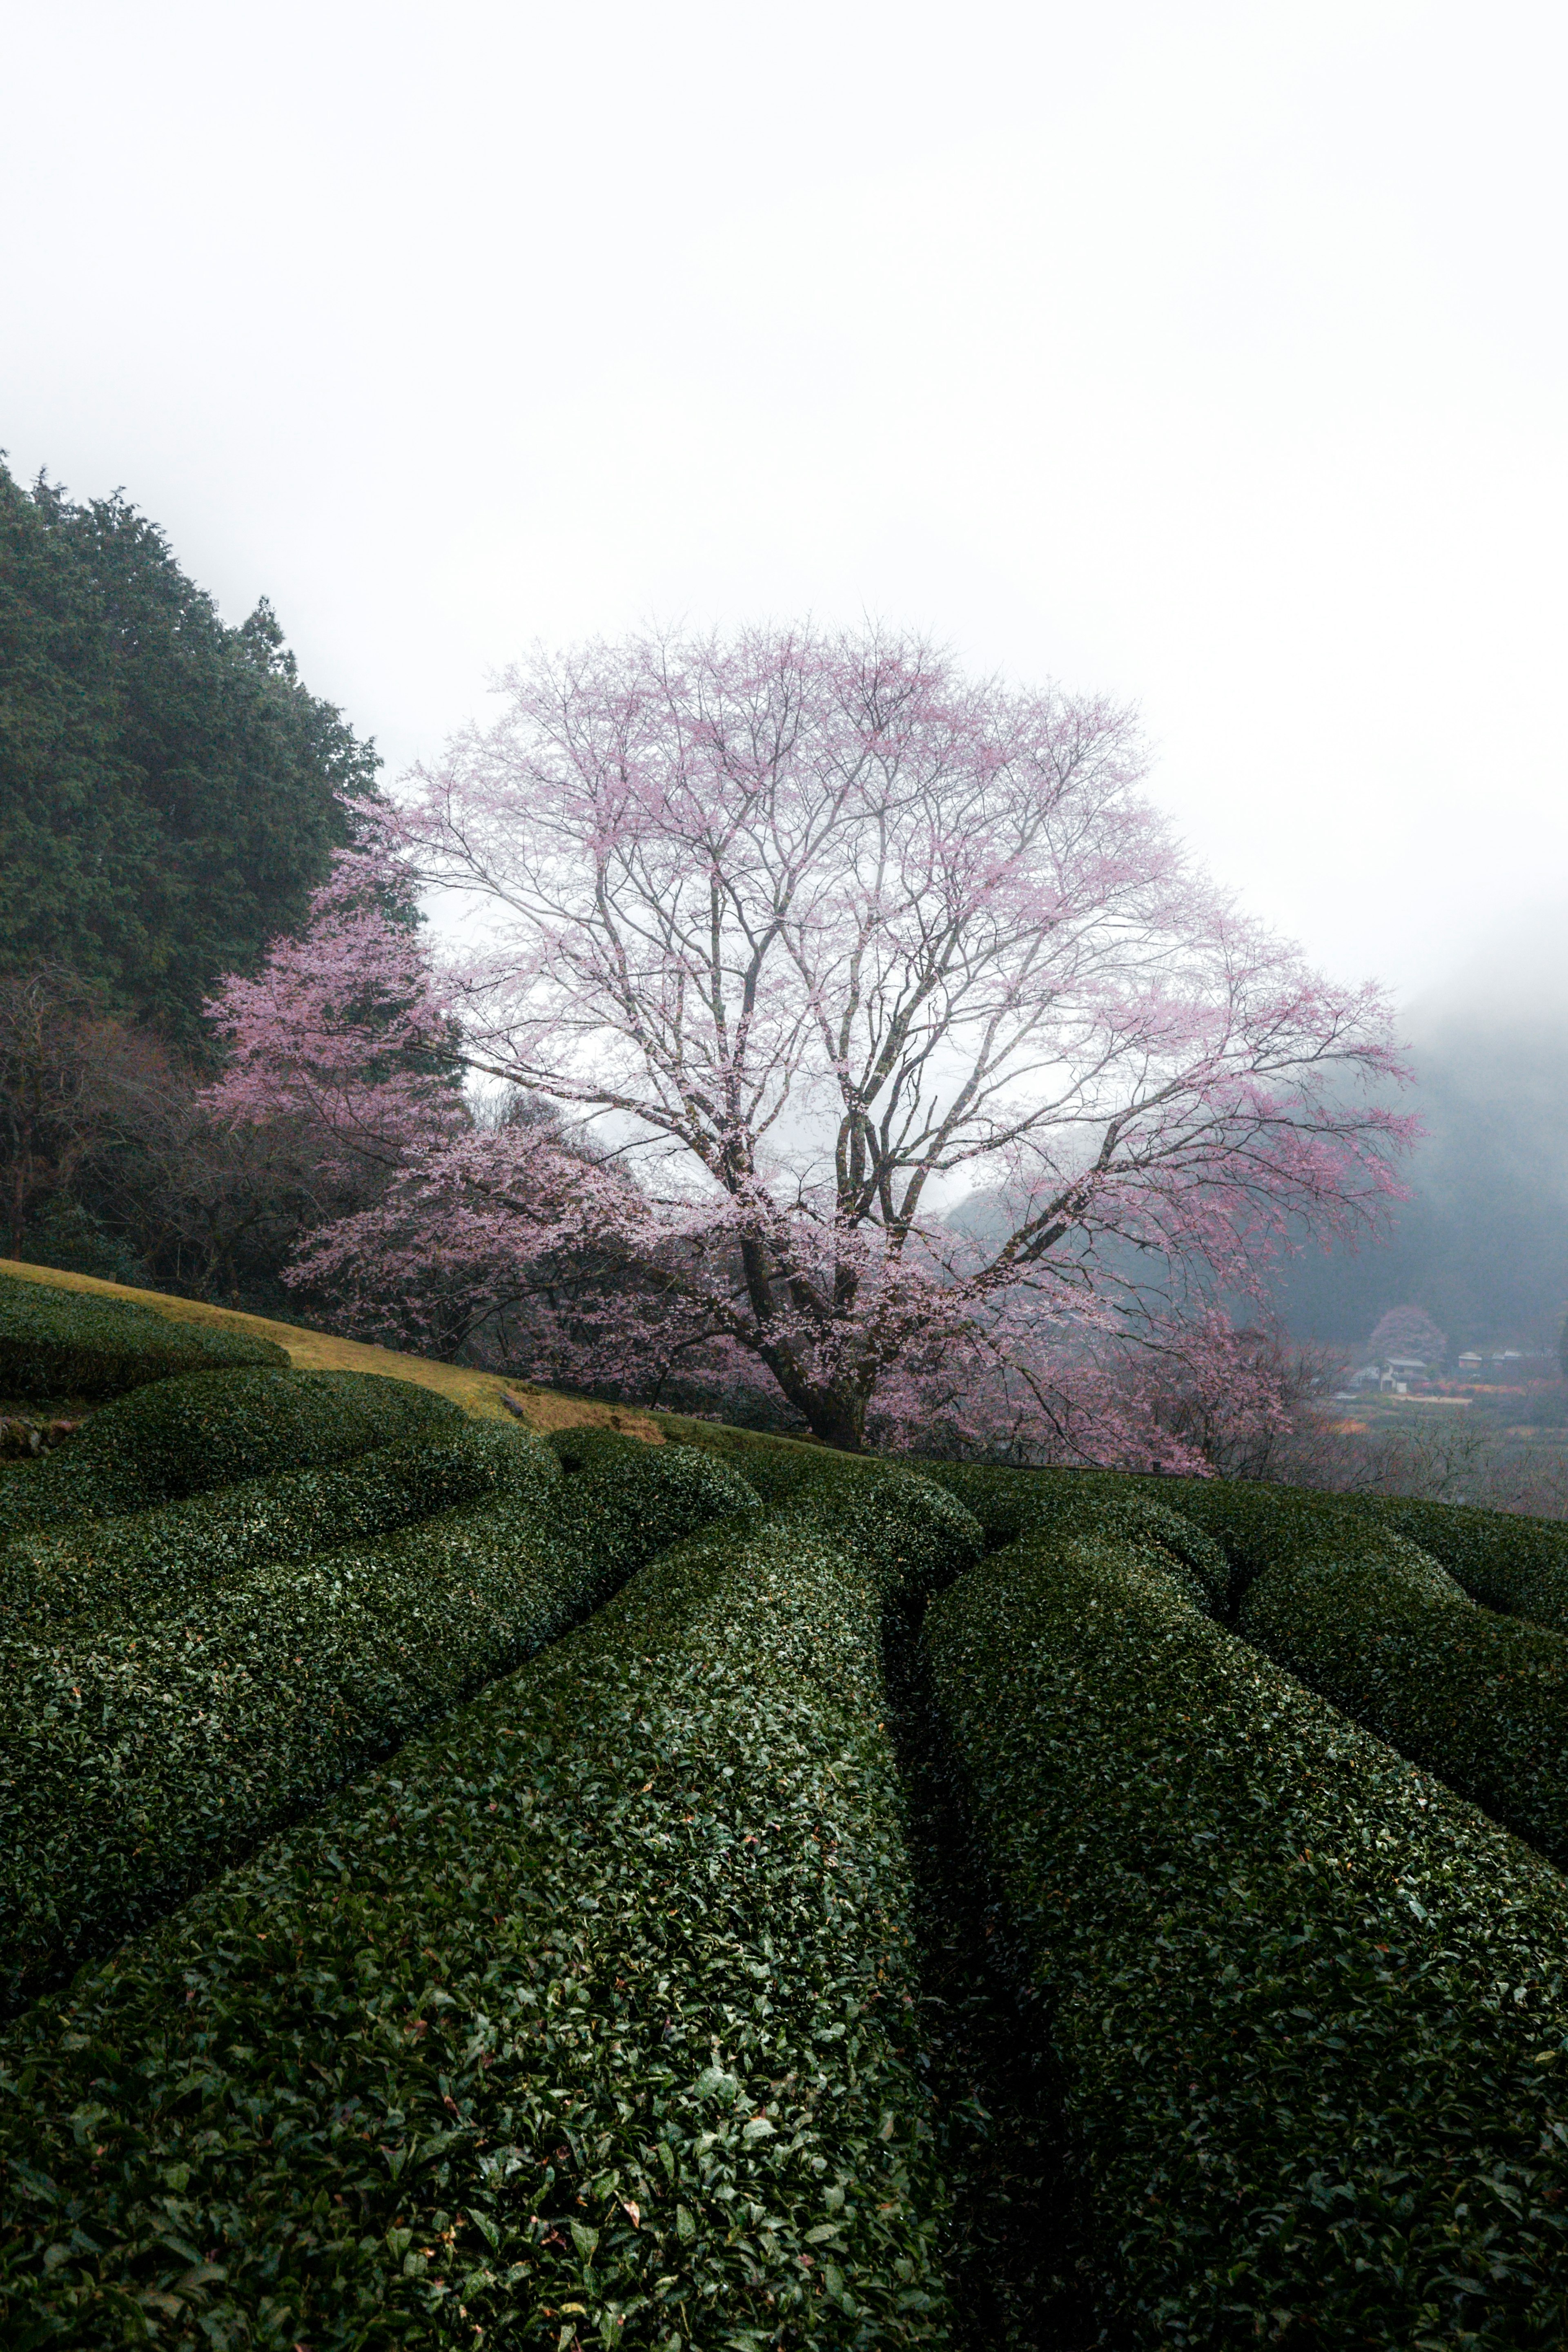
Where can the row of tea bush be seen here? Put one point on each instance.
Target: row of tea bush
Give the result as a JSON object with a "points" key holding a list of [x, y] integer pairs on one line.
{"points": [[57, 1343], [1309, 2008], [1349, 1602], [143, 1749], [594, 2014]]}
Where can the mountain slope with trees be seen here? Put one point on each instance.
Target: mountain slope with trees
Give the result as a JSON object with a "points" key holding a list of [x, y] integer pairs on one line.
{"points": [[170, 791], [1482, 1242]]}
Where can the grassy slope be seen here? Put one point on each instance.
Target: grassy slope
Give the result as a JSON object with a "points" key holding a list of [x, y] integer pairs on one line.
{"points": [[316, 1352]]}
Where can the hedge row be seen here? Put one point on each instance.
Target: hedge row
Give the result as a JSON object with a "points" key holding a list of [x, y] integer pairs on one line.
{"points": [[776, 1467], [68, 1343], [134, 1572], [1514, 1565], [136, 1764], [586, 2019], [1347, 1602], [1003, 1499], [1517, 1565], [1012, 1504], [1308, 2008], [1248, 1519], [1005, 1502], [186, 1436], [1480, 1699]]}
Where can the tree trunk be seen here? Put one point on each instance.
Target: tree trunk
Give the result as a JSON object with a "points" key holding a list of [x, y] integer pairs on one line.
{"points": [[834, 1414], [836, 1419]]}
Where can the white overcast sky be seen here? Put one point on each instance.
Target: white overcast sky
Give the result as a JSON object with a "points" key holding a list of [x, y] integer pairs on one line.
{"points": [[1212, 356]]}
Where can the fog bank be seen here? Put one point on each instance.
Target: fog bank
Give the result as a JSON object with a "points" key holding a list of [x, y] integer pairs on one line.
{"points": [[1483, 1243]]}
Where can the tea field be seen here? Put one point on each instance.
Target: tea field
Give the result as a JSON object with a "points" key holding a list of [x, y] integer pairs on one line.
{"points": [[471, 1880]]}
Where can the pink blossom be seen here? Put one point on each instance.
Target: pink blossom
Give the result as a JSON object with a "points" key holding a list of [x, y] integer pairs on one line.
{"points": [[817, 935]]}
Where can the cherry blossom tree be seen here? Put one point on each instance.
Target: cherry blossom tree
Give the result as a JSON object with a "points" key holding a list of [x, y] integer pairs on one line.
{"points": [[825, 935], [1181, 1394], [911, 1040], [346, 1027], [1410, 1331], [347, 1037]]}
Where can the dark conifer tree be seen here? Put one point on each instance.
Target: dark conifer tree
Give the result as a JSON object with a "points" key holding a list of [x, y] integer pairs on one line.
{"points": [[170, 791]]}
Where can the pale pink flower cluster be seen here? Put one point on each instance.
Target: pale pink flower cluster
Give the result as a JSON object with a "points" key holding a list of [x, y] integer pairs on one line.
{"points": [[820, 935]]}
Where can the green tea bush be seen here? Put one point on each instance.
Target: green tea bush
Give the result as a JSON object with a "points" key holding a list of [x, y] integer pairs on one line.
{"points": [[612, 1482], [1000, 1497], [1514, 1565], [1250, 1520], [134, 1571], [776, 1467], [134, 1765], [859, 1499], [1010, 1504], [731, 1439], [60, 1343], [625, 1502], [904, 1528], [780, 1468], [1308, 2009], [588, 2019], [1517, 1565], [1390, 1637], [1345, 1598], [185, 1436], [589, 1446]]}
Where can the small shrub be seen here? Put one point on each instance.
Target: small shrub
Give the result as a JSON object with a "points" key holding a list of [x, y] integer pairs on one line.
{"points": [[1340, 1595], [57, 1343], [906, 1531], [1515, 1565]]}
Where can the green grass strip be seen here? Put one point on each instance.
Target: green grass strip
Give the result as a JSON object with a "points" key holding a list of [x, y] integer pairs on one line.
{"points": [[135, 1766], [587, 2020], [1307, 2007]]}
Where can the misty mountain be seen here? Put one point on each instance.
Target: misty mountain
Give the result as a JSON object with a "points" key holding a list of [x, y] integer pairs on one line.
{"points": [[1483, 1243]]}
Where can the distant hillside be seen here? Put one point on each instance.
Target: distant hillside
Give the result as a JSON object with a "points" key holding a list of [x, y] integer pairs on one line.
{"points": [[1483, 1245]]}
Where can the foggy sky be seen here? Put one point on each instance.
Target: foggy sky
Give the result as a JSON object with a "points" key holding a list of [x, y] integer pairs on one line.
{"points": [[1211, 356], [1482, 1242]]}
